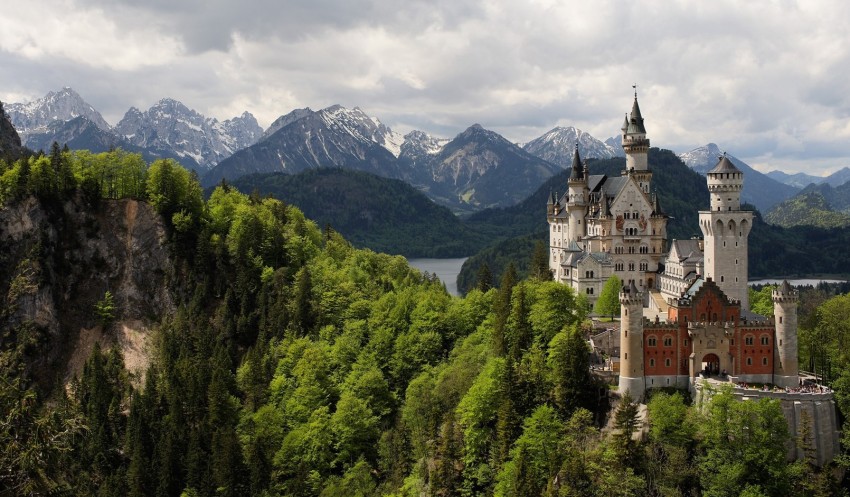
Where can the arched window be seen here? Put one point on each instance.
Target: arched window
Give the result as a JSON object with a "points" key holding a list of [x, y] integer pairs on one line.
{"points": [[765, 340], [749, 340], [667, 362], [764, 361], [749, 361], [652, 341], [668, 341]]}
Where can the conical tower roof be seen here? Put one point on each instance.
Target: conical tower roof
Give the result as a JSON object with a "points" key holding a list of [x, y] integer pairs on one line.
{"points": [[577, 167], [636, 120], [724, 165]]}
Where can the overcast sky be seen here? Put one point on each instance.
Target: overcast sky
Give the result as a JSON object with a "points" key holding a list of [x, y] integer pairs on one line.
{"points": [[768, 81]]}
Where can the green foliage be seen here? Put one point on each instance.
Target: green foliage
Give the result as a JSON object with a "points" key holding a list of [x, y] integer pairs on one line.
{"points": [[104, 309], [381, 214], [608, 303], [809, 208], [743, 447], [295, 364], [761, 301]]}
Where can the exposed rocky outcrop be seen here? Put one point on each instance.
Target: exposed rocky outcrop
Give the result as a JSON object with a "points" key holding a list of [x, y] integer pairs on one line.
{"points": [[57, 261], [10, 142]]}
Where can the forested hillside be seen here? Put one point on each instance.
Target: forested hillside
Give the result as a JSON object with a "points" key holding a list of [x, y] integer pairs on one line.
{"points": [[283, 361], [385, 215]]}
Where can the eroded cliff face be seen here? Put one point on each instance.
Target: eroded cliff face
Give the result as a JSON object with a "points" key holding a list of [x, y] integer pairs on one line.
{"points": [[58, 261]]}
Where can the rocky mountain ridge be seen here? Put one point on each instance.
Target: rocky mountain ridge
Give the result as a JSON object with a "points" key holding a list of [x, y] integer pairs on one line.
{"points": [[10, 141], [169, 125], [802, 180], [557, 145], [167, 129]]}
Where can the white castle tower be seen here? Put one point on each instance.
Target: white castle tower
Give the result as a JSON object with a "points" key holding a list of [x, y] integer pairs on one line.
{"points": [[725, 228], [577, 203], [786, 368], [631, 342], [636, 147]]}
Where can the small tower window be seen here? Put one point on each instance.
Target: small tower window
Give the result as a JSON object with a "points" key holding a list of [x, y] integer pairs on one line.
{"points": [[667, 362], [764, 361], [780, 319], [749, 361], [765, 340]]}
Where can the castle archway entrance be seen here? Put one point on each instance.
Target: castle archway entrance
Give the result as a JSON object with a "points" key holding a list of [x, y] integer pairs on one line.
{"points": [[711, 364]]}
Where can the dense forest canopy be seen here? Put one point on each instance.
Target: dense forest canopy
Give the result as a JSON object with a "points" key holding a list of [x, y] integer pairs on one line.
{"points": [[298, 365]]}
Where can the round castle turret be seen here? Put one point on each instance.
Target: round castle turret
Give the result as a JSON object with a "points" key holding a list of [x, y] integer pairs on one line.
{"points": [[786, 368], [725, 183], [577, 195], [726, 229], [631, 342]]}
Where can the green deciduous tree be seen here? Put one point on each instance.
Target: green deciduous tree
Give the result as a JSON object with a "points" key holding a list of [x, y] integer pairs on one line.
{"points": [[608, 303]]}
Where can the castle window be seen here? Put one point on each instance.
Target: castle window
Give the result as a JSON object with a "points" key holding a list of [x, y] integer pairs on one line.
{"points": [[764, 361], [749, 340], [668, 341], [667, 362], [749, 361], [652, 341], [652, 363], [765, 340], [780, 319], [627, 355], [721, 279], [686, 340], [631, 266]]}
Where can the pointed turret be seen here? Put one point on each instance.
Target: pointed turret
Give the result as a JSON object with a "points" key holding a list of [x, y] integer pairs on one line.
{"points": [[635, 143], [636, 120], [551, 201], [577, 172], [625, 123], [656, 206]]}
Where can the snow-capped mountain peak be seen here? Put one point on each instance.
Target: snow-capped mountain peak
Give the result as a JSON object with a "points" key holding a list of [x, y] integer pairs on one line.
{"points": [[170, 125], [557, 146], [362, 126], [63, 105]]}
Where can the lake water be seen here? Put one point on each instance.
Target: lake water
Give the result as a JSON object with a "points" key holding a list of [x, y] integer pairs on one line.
{"points": [[798, 282], [445, 269]]}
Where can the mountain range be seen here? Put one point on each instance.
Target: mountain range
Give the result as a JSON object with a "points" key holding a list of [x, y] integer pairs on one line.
{"points": [[167, 130], [476, 169], [802, 180]]}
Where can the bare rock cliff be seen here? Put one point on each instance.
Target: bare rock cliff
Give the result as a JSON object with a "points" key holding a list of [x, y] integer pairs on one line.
{"points": [[58, 261]]}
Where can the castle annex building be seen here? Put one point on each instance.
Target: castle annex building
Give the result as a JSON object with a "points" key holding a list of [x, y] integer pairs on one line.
{"points": [[685, 313]]}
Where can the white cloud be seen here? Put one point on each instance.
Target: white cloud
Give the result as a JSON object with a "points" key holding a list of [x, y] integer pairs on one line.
{"points": [[767, 79]]}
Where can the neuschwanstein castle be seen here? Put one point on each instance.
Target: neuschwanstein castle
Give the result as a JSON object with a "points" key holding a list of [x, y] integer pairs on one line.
{"points": [[685, 313]]}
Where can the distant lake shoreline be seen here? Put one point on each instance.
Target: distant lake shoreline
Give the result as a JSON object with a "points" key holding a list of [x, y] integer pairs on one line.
{"points": [[445, 269], [813, 281]]}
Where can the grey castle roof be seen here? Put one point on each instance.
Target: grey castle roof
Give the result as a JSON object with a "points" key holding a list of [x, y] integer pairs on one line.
{"points": [[577, 171], [636, 120], [724, 165], [687, 249]]}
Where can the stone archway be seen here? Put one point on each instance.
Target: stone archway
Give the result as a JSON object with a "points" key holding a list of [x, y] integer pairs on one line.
{"points": [[710, 364]]}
